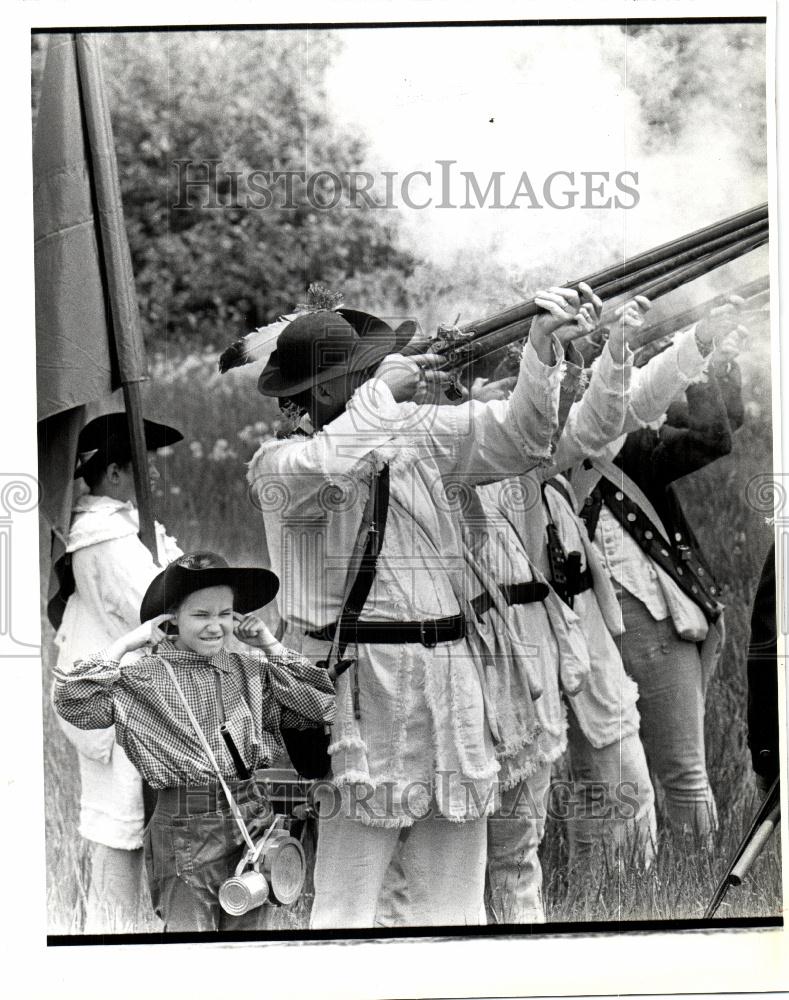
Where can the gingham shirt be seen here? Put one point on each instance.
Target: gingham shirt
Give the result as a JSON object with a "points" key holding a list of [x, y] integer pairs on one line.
{"points": [[259, 695]]}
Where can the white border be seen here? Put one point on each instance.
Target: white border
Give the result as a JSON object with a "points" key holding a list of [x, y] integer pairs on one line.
{"points": [[734, 961]]}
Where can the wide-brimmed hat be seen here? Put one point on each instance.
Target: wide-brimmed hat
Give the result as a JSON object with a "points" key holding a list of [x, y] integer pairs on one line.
{"points": [[107, 436], [252, 587], [322, 345]]}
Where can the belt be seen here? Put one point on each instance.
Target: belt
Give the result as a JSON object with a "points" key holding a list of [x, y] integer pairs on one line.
{"points": [[513, 593], [195, 800], [428, 633]]}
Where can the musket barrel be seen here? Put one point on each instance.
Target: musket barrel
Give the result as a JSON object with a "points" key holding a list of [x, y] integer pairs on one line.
{"points": [[622, 269], [671, 324], [610, 289], [482, 346], [686, 274]]}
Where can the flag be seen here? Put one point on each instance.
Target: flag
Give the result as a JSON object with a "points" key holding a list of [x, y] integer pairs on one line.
{"points": [[88, 337]]}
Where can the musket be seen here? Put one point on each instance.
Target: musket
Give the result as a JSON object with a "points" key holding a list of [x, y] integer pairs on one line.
{"points": [[610, 288], [664, 268], [750, 847], [680, 321], [684, 275], [640, 262], [464, 350]]}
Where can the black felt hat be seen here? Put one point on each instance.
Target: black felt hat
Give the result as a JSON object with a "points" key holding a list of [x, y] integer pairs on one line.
{"points": [[106, 438], [321, 345], [252, 587]]}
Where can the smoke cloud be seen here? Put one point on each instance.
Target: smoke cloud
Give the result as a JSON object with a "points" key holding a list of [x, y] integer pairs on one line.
{"points": [[683, 106]]}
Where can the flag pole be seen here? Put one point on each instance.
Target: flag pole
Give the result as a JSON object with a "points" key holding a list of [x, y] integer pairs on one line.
{"points": [[124, 317]]}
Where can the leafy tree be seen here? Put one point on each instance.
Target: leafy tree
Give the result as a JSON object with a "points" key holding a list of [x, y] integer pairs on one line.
{"points": [[210, 266]]}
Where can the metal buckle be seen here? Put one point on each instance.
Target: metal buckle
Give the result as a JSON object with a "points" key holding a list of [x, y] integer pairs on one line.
{"points": [[423, 638]]}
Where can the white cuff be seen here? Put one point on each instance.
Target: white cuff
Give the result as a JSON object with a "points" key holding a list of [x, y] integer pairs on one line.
{"points": [[533, 368], [689, 359]]}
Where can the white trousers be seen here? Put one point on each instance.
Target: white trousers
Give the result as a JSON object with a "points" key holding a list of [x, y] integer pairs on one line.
{"points": [[515, 832], [514, 873], [443, 864]]}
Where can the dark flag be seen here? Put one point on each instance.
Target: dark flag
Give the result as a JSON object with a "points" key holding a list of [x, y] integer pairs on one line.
{"points": [[88, 337]]}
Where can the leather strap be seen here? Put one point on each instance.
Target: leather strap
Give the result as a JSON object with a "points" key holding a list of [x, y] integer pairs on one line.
{"points": [[527, 592], [561, 489], [212, 760], [624, 484], [344, 629], [680, 562], [428, 633]]}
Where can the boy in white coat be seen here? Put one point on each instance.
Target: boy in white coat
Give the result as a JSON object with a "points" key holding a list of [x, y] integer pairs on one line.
{"points": [[110, 570]]}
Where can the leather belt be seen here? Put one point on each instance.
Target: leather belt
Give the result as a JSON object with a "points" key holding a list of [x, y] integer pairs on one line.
{"points": [[428, 633], [513, 593], [195, 800]]}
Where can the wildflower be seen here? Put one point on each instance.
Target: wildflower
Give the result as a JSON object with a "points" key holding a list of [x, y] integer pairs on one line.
{"points": [[221, 451], [255, 434]]}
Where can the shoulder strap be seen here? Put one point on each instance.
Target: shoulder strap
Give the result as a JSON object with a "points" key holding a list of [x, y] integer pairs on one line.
{"points": [[560, 488], [375, 517], [209, 753], [680, 562], [619, 478]]}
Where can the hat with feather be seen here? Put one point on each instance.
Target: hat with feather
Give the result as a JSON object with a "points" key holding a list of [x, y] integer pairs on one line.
{"points": [[319, 342]]}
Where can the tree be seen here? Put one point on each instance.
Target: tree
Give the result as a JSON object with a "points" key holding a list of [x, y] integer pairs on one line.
{"points": [[211, 266]]}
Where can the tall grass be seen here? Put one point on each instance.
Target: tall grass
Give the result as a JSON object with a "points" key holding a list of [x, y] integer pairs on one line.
{"points": [[203, 501]]}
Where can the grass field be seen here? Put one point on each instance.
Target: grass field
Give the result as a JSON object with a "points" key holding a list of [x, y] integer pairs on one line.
{"points": [[203, 501]]}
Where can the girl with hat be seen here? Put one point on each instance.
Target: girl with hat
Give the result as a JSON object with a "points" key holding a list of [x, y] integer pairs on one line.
{"points": [[103, 576], [189, 613]]}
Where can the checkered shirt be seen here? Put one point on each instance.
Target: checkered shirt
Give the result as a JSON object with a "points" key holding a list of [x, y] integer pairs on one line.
{"points": [[259, 695]]}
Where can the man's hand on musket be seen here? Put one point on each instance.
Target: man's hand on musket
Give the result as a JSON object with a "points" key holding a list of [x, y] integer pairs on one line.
{"points": [[413, 378], [719, 323], [630, 317], [570, 314]]}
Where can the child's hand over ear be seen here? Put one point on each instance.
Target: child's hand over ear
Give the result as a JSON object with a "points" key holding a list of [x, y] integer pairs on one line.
{"points": [[147, 634], [254, 632]]}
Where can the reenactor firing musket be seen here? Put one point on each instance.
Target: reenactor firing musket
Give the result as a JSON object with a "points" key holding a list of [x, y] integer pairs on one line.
{"points": [[753, 843], [652, 273]]}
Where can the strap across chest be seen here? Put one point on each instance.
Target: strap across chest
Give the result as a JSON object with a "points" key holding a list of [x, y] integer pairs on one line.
{"points": [[677, 559]]}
